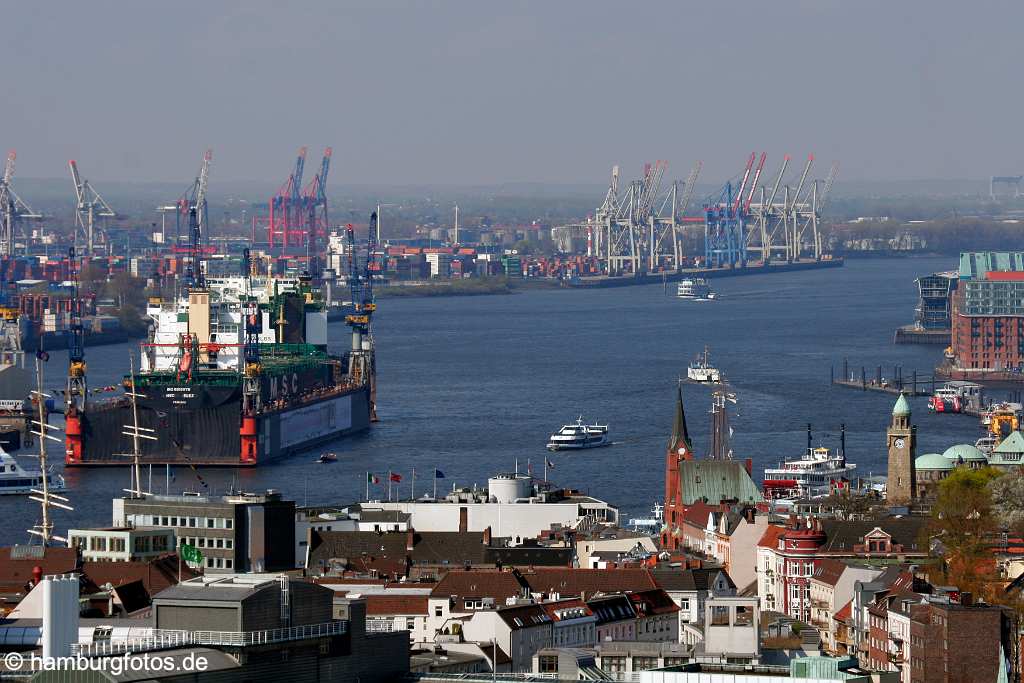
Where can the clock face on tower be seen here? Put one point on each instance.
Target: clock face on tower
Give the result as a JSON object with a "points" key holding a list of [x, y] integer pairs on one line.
{"points": [[898, 443]]}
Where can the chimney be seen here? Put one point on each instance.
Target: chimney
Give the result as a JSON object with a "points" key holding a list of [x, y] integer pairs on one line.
{"points": [[749, 513], [749, 464], [409, 540], [463, 520], [37, 575], [487, 536]]}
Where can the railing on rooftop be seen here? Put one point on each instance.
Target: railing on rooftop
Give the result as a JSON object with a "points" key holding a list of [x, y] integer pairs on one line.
{"points": [[381, 626], [162, 639]]}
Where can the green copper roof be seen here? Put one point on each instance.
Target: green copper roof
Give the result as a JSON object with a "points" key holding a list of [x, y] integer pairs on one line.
{"points": [[715, 481], [902, 406], [963, 451], [1014, 443], [933, 461], [974, 264]]}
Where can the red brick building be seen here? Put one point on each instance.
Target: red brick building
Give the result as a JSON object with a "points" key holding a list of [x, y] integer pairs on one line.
{"points": [[958, 643], [988, 312]]}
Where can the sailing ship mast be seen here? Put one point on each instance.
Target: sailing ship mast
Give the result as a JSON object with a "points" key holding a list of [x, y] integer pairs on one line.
{"points": [[721, 432], [46, 500], [136, 432]]}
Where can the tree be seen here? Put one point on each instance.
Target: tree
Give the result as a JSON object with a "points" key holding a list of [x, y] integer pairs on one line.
{"points": [[1008, 499], [962, 520]]}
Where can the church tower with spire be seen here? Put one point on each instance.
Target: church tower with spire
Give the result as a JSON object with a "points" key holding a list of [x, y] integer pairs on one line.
{"points": [[680, 448], [902, 441]]}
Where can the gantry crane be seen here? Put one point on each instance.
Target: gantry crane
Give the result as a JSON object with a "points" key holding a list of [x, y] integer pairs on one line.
{"points": [[195, 277], [76, 394], [89, 207], [12, 208]]}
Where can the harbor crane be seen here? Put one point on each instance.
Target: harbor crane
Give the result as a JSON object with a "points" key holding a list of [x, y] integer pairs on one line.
{"points": [[195, 277], [361, 356], [314, 206], [89, 207], [12, 208]]}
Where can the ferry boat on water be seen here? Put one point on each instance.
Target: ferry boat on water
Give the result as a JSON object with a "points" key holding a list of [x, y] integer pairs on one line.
{"points": [[649, 525], [695, 289], [956, 397], [701, 370], [812, 475], [16, 480], [579, 435]]}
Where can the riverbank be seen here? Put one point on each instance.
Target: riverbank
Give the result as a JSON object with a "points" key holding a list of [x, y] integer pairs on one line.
{"points": [[467, 287]]}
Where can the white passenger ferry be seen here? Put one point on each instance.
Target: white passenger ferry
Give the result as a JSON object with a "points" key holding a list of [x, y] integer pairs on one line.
{"points": [[812, 475], [579, 435], [16, 480], [695, 288]]}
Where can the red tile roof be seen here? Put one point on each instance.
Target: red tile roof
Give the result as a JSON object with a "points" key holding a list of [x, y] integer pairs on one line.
{"points": [[557, 607], [657, 601], [828, 571], [156, 575], [770, 537], [396, 605], [482, 583], [17, 563], [845, 612], [586, 583]]}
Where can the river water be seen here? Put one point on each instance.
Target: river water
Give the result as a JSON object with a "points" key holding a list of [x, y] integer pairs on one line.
{"points": [[474, 385]]}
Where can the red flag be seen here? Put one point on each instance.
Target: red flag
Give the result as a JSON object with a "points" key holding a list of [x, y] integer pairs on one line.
{"points": [[396, 477]]}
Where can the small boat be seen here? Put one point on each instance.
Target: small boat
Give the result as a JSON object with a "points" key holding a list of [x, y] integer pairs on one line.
{"points": [[987, 444], [327, 457], [695, 289], [579, 435], [701, 370], [16, 480]]}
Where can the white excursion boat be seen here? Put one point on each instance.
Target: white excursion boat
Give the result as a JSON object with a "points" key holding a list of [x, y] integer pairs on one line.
{"points": [[812, 475], [649, 525], [16, 480], [701, 370], [695, 288], [579, 435]]}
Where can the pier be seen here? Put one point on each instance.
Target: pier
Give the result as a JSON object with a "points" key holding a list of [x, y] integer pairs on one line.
{"points": [[913, 385]]}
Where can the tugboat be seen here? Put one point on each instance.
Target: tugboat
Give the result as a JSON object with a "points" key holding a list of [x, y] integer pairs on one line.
{"points": [[695, 289], [701, 370], [579, 435]]}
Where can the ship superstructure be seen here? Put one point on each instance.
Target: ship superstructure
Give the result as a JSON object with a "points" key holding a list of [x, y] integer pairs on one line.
{"points": [[236, 371]]}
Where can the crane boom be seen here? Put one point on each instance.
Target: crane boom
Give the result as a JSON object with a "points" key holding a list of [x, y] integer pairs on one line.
{"points": [[828, 186], [753, 183], [778, 181], [691, 182], [743, 182], [9, 167], [803, 179]]}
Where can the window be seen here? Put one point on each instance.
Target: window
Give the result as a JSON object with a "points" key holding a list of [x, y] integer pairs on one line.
{"points": [[547, 664], [613, 664], [644, 663], [438, 610], [410, 623], [719, 616], [744, 615]]}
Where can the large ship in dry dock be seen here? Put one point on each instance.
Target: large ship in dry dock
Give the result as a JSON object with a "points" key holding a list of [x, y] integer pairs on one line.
{"points": [[235, 373]]}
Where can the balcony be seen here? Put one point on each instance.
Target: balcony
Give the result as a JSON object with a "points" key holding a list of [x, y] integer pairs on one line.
{"points": [[897, 657]]}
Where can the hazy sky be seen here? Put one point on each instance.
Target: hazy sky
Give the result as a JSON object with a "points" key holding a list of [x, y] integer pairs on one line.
{"points": [[489, 92]]}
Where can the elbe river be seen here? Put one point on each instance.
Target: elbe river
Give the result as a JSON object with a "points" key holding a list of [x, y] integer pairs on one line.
{"points": [[471, 385]]}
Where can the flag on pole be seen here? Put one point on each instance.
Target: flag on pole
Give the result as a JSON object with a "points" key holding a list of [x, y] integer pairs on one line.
{"points": [[372, 478], [550, 465], [396, 477], [438, 474]]}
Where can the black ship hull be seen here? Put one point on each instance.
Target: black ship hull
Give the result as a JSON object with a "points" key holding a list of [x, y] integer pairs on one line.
{"points": [[204, 426]]}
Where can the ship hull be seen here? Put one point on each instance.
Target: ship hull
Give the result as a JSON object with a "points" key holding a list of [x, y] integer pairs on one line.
{"points": [[208, 431]]}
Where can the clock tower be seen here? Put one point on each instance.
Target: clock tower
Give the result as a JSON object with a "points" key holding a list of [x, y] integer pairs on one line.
{"points": [[902, 439]]}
